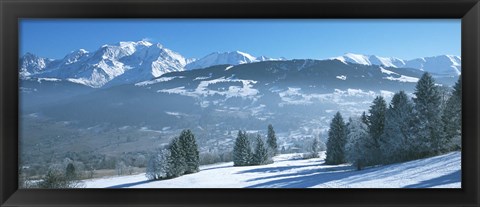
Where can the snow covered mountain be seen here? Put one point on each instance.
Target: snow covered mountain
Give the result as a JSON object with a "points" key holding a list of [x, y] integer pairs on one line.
{"points": [[134, 62], [31, 64], [231, 58], [125, 62], [440, 66], [260, 92]]}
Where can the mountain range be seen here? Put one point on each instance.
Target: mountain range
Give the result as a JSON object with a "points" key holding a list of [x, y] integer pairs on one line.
{"points": [[134, 62], [441, 65], [135, 96]]}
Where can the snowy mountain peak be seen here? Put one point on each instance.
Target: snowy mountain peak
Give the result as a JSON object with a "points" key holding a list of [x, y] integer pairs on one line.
{"points": [[31, 64], [75, 56], [121, 63], [230, 58], [135, 44], [440, 66]]}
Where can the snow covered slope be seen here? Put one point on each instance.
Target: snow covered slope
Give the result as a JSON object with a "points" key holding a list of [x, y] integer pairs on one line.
{"points": [[229, 58], [289, 171], [440, 66]]}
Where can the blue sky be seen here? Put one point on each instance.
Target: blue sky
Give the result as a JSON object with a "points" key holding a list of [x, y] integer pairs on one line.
{"points": [[316, 39]]}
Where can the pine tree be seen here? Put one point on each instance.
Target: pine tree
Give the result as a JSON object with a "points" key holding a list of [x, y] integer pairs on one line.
{"points": [[427, 123], [70, 172], [364, 118], [242, 152], [397, 135], [336, 141], [176, 162], [376, 125], [315, 148], [272, 140], [452, 117], [158, 166], [189, 145], [260, 157], [356, 147]]}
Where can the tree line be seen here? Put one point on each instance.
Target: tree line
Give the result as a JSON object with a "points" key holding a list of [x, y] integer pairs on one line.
{"points": [[406, 129], [243, 155], [180, 157]]}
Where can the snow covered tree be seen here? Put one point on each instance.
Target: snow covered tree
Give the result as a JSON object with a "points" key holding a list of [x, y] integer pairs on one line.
{"points": [[158, 166], [357, 140], [364, 118], [272, 140], [189, 145], [337, 138], [428, 130], [397, 134], [176, 162], [242, 151], [70, 172], [452, 117], [315, 148], [260, 157], [376, 125]]}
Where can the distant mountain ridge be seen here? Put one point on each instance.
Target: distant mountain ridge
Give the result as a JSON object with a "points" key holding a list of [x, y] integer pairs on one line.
{"points": [[231, 58], [441, 65], [134, 62], [126, 61]]}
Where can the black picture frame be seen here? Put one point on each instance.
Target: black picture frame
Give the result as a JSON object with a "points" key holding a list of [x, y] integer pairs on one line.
{"points": [[12, 10]]}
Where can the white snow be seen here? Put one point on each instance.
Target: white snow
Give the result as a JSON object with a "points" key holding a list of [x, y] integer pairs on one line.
{"points": [[341, 77], [158, 80], [357, 58], [202, 90], [289, 171], [387, 71], [386, 94], [403, 78], [294, 96], [39, 80]]}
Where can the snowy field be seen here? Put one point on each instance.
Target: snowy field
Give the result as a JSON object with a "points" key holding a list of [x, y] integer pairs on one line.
{"points": [[289, 171]]}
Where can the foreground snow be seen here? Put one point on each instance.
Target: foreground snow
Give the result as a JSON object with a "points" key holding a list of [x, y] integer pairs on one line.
{"points": [[289, 171]]}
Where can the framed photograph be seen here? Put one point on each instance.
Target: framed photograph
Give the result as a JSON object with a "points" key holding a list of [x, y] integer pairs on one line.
{"points": [[275, 103]]}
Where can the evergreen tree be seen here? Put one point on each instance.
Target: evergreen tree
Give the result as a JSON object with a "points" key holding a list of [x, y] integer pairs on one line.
{"points": [[364, 118], [176, 162], [375, 123], [189, 145], [260, 157], [315, 148], [70, 172], [337, 138], [452, 117], [427, 123], [158, 166], [272, 140], [356, 147], [242, 152], [397, 135]]}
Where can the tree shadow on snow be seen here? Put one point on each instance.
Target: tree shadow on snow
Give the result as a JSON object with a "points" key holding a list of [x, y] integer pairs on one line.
{"points": [[275, 169], [442, 180], [348, 174], [306, 178], [127, 185], [213, 168]]}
